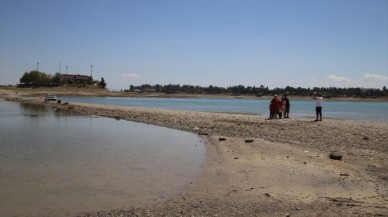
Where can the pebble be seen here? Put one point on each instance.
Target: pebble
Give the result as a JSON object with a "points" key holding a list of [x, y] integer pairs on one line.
{"points": [[249, 140], [221, 139], [335, 156]]}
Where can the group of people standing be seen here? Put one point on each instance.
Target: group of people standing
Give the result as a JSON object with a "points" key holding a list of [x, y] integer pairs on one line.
{"points": [[280, 108]]}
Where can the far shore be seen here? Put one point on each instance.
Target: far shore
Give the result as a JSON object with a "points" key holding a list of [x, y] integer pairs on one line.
{"points": [[87, 91], [259, 167]]}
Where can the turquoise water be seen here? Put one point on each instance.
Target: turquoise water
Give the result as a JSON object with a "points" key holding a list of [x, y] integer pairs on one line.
{"points": [[363, 111], [58, 164]]}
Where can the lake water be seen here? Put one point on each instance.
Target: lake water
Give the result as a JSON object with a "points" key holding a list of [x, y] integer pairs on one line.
{"points": [[362, 111], [56, 164]]}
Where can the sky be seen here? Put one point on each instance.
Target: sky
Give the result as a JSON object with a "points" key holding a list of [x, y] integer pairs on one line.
{"points": [[277, 43]]}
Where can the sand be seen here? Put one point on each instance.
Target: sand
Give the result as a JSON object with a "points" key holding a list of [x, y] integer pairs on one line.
{"points": [[259, 167]]}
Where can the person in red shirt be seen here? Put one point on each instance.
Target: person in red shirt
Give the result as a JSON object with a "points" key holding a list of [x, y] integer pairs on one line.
{"points": [[274, 107]]}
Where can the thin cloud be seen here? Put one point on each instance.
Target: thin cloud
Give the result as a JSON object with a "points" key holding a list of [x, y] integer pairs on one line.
{"points": [[338, 78], [375, 77], [131, 76]]}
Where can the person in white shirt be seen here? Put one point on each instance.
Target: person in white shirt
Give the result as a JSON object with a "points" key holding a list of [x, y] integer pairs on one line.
{"points": [[318, 106]]}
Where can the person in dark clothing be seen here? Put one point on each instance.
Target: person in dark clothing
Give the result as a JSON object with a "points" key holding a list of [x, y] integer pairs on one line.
{"points": [[288, 105]]}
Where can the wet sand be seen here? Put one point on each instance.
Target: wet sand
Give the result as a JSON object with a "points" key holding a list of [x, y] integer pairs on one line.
{"points": [[259, 167]]}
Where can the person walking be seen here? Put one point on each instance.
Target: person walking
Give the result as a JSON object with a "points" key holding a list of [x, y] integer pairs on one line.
{"points": [[318, 106]]}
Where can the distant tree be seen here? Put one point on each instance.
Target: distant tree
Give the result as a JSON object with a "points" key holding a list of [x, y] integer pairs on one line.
{"points": [[35, 77], [158, 87], [102, 83], [145, 86], [26, 78], [56, 78], [263, 90], [90, 80]]}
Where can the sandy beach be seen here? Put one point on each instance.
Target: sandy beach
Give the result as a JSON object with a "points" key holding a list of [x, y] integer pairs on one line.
{"points": [[259, 167]]}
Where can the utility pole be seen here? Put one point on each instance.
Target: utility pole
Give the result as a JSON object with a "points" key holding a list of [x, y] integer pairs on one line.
{"points": [[67, 69], [37, 66]]}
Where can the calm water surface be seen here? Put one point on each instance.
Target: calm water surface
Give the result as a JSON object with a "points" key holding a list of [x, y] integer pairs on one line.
{"points": [[56, 164], [362, 111]]}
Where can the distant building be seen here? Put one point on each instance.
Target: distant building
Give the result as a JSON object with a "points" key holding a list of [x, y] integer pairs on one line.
{"points": [[149, 90], [79, 79], [364, 90]]}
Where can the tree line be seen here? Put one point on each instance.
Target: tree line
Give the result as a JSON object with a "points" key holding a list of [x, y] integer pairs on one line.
{"points": [[37, 78], [261, 90]]}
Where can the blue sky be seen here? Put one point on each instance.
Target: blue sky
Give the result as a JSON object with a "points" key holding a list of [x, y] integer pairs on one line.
{"points": [[279, 43]]}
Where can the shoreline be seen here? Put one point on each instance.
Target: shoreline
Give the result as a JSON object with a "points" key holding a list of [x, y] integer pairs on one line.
{"points": [[256, 167], [63, 91]]}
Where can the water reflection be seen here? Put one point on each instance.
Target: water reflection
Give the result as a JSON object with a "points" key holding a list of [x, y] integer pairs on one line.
{"points": [[54, 163], [47, 110]]}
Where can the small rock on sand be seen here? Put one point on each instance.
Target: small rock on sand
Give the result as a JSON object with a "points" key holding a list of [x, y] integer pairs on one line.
{"points": [[335, 156], [249, 140], [365, 138], [221, 139]]}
